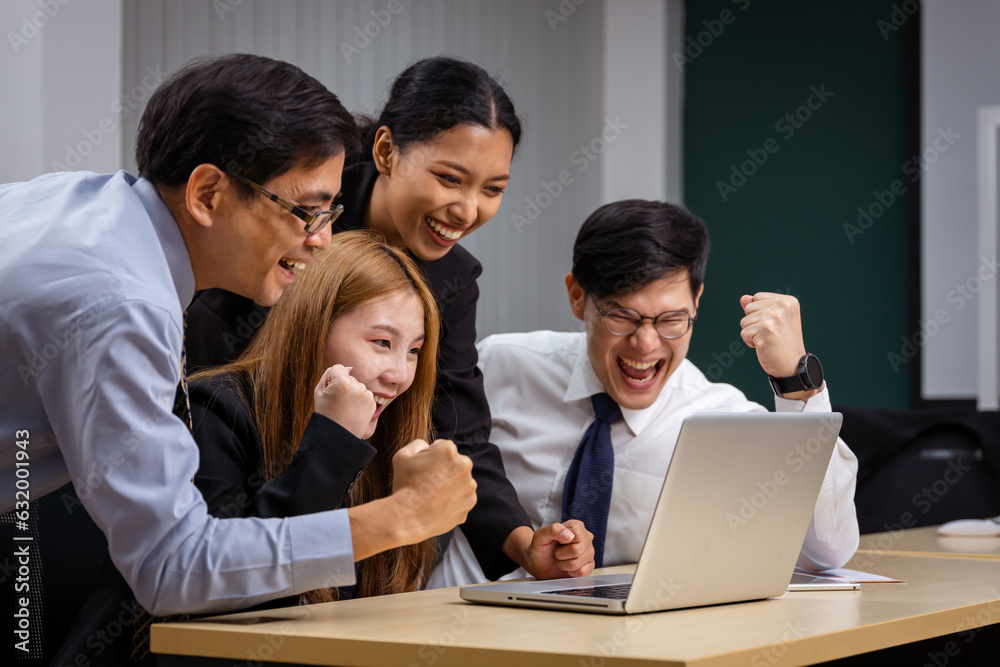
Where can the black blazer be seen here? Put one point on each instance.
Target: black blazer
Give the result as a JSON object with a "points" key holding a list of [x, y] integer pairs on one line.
{"points": [[231, 473], [220, 325]]}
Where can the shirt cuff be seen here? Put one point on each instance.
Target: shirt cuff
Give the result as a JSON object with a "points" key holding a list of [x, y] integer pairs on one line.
{"points": [[818, 403], [322, 551]]}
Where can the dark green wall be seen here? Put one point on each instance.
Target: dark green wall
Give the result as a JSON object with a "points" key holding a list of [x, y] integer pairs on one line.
{"points": [[783, 229]]}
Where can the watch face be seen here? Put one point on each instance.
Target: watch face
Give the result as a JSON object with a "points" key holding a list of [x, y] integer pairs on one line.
{"points": [[814, 371]]}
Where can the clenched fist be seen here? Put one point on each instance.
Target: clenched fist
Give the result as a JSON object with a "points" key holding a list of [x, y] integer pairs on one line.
{"points": [[433, 485], [342, 398], [773, 327]]}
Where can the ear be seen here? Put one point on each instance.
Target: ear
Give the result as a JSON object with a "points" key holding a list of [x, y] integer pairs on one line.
{"points": [[204, 193], [697, 298], [577, 297], [384, 151]]}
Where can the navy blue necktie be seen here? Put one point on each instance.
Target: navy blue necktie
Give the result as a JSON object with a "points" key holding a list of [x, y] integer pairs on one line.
{"points": [[587, 493]]}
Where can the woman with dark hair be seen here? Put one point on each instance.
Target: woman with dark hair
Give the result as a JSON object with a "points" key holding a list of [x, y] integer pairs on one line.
{"points": [[348, 355], [433, 169]]}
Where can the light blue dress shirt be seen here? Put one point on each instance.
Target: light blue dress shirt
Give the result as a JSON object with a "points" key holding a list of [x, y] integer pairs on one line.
{"points": [[94, 279]]}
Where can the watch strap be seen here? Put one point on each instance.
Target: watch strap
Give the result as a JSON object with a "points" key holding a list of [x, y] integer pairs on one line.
{"points": [[802, 380]]}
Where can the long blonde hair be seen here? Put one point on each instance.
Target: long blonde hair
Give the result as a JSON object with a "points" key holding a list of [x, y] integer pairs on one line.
{"points": [[285, 361]]}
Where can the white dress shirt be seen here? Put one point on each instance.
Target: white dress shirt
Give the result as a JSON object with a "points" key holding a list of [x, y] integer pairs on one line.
{"points": [[539, 386], [95, 277]]}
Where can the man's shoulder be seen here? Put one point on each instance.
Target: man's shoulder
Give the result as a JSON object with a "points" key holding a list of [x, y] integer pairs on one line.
{"points": [[529, 347], [705, 393], [526, 372]]}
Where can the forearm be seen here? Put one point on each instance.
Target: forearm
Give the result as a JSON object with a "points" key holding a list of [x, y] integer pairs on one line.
{"points": [[833, 534], [237, 563], [328, 462], [515, 547], [378, 526]]}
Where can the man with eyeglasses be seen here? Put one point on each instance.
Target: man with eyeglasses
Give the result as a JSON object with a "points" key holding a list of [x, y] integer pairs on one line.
{"points": [[587, 422], [240, 161]]}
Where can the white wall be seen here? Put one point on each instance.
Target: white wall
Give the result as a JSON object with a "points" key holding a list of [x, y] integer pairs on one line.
{"points": [[636, 159], [961, 72], [551, 57], [20, 79], [588, 77], [61, 73]]}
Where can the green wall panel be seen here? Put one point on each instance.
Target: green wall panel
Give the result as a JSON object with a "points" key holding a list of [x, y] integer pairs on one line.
{"points": [[797, 114]]}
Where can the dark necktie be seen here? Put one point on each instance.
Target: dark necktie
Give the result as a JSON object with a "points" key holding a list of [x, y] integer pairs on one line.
{"points": [[587, 493], [142, 618]]}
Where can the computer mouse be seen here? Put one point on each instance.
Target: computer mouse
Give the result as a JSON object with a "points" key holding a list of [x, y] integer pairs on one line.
{"points": [[970, 528]]}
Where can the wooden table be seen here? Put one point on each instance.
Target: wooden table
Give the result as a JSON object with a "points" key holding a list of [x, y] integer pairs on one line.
{"points": [[943, 595], [926, 542]]}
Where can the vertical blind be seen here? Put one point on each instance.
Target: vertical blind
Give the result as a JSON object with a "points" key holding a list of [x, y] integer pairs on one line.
{"points": [[549, 62]]}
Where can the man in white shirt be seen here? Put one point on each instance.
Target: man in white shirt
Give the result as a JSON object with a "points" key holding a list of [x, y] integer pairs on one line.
{"points": [[637, 279]]}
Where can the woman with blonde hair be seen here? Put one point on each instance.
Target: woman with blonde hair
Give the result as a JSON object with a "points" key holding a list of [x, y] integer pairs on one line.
{"points": [[347, 355], [433, 169]]}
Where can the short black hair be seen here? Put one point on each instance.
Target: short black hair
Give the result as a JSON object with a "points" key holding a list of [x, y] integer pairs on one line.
{"points": [[436, 94], [625, 245], [248, 115]]}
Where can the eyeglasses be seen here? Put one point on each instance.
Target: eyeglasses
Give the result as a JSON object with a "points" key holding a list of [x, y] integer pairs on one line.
{"points": [[314, 221], [625, 321]]}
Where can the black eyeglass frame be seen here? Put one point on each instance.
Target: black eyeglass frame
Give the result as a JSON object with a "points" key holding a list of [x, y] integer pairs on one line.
{"points": [[640, 318], [314, 221]]}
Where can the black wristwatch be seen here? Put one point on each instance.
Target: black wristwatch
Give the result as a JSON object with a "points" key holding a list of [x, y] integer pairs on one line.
{"points": [[808, 376]]}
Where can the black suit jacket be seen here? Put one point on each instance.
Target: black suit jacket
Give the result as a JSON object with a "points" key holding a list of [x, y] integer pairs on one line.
{"points": [[231, 473], [220, 325]]}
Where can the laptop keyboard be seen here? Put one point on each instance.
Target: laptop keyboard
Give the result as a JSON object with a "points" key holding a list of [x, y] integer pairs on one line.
{"points": [[614, 592]]}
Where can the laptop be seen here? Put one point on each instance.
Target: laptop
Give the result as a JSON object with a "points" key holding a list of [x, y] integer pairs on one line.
{"points": [[733, 512]]}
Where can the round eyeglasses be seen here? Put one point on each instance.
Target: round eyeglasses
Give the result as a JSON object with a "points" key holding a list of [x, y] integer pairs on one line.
{"points": [[625, 321], [314, 221]]}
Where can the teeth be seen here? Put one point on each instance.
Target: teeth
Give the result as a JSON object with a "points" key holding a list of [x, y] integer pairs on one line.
{"points": [[381, 400], [449, 234], [294, 265], [649, 378], [636, 364]]}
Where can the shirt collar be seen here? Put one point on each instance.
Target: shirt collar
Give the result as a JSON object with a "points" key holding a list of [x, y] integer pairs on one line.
{"points": [[171, 240], [583, 384]]}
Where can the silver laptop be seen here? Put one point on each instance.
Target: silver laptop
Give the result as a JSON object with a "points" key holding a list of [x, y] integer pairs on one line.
{"points": [[732, 515]]}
